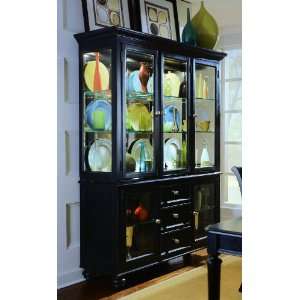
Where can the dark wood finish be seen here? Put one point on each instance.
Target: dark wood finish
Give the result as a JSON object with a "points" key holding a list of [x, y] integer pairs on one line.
{"points": [[104, 195], [224, 237]]}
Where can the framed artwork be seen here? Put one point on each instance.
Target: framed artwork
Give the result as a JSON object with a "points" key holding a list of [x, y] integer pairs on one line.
{"points": [[102, 13], [159, 17]]}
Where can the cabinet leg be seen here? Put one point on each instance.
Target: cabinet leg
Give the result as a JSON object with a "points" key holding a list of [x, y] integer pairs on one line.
{"points": [[214, 277], [187, 258]]}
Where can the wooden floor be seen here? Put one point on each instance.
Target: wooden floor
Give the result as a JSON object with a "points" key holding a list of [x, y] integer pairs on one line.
{"points": [[101, 288]]}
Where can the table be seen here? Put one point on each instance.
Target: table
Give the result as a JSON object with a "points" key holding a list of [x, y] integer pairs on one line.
{"points": [[223, 237]]}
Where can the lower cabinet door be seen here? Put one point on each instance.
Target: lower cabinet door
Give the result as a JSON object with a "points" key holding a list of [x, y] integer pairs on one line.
{"points": [[204, 208], [141, 227]]}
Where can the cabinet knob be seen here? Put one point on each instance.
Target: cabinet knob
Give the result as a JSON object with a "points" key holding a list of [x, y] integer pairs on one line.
{"points": [[195, 213], [176, 241], [175, 216], [195, 115], [175, 192], [157, 221], [157, 113]]}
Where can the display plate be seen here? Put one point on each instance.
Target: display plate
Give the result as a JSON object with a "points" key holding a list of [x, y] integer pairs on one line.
{"points": [[96, 110]]}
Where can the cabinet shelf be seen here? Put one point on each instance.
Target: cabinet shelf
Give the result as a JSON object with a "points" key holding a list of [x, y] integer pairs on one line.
{"points": [[89, 130], [201, 131], [205, 99]]}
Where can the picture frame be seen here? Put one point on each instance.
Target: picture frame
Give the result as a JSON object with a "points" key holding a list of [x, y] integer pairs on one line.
{"points": [[157, 17], [105, 13]]}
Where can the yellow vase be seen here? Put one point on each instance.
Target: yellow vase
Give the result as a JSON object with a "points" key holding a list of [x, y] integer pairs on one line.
{"points": [[206, 28]]}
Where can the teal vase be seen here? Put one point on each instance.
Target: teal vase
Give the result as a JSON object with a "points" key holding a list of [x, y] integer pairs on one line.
{"points": [[188, 33], [206, 28]]}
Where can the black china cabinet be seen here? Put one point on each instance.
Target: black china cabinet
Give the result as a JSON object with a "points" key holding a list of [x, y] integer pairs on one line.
{"points": [[149, 149]]}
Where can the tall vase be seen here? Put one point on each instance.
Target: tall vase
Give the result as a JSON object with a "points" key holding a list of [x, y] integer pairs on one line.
{"points": [[144, 74], [206, 28], [188, 34], [97, 76]]}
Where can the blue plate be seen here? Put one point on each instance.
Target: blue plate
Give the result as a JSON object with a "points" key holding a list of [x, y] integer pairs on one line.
{"points": [[98, 105], [171, 118], [134, 83]]}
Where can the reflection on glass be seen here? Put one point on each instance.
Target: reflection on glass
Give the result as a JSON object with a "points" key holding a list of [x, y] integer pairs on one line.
{"points": [[204, 116], [97, 107], [140, 228], [204, 206], [175, 114], [139, 80]]}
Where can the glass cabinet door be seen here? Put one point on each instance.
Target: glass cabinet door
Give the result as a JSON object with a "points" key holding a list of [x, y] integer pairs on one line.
{"points": [[174, 115], [204, 115], [204, 208], [139, 107], [141, 225], [97, 111]]}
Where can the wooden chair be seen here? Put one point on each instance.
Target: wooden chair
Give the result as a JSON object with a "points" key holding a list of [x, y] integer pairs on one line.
{"points": [[237, 171]]}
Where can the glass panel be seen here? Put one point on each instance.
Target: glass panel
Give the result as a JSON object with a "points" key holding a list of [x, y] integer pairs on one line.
{"points": [[97, 111], [205, 85], [140, 228], [175, 114], [233, 156], [204, 208], [139, 113], [233, 64], [233, 95], [233, 127]]}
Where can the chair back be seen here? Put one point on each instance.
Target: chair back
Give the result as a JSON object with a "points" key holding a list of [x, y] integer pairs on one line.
{"points": [[237, 171]]}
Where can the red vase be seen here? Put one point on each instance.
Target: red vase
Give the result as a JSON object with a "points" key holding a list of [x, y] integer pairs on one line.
{"points": [[97, 77], [144, 75]]}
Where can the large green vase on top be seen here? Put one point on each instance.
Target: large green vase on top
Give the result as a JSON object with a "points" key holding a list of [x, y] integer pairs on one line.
{"points": [[206, 28]]}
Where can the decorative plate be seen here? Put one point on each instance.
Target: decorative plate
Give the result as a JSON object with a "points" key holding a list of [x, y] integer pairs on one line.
{"points": [[172, 119], [89, 73], [171, 151], [138, 117], [135, 151], [171, 85], [99, 156], [134, 83], [98, 115]]}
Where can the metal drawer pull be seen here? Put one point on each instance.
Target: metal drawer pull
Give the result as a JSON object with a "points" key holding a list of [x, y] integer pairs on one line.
{"points": [[175, 216], [157, 221], [175, 192], [176, 241]]}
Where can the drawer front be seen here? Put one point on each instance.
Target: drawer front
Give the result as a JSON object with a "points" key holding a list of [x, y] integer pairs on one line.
{"points": [[176, 240], [176, 216], [175, 194]]}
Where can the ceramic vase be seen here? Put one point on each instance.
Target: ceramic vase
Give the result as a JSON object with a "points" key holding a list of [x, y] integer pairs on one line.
{"points": [[188, 34], [206, 28], [144, 75]]}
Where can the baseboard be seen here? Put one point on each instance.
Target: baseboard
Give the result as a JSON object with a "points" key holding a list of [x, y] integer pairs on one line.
{"points": [[69, 278]]}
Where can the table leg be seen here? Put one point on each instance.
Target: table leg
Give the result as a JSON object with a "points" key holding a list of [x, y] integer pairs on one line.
{"points": [[214, 276]]}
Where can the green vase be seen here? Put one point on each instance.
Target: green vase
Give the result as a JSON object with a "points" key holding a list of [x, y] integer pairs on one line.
{"points": [[206, 28], [188, 33]]}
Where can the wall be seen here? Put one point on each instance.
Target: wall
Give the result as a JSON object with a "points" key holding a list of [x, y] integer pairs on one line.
{"points": [[70, 21]]}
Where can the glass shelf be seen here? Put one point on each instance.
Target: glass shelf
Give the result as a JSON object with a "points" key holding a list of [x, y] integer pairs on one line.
{"points": [[169, 99], [134, 97], [98, 95], [138, 132], [205, 99], [172, 132], [89, 130], [201, 131]]}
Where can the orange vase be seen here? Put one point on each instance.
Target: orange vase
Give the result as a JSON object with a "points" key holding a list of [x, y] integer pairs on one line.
{"points": [[97, 76], [144, 75]]}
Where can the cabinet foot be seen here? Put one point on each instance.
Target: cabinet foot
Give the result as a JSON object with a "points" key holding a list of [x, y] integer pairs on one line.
{"points": [[187, 258]]}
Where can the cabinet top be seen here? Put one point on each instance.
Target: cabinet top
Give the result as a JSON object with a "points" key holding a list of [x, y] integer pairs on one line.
{"points": [[156, 41]]}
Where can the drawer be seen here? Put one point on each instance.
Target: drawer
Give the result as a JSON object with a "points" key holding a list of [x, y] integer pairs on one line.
{"points": [[175, 194], [174, 216], [176, 240]]}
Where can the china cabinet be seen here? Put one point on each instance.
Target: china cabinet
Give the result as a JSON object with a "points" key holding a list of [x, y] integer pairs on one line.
{"points": [[149, 149]]}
